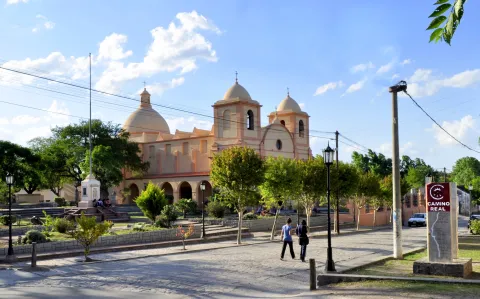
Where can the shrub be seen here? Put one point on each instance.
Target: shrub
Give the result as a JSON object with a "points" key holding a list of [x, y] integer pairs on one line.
{"points": [[4, 219], [216, 209], [186, 206], [139, 227], [250, 216], [162, 221], [63, 225], [88, 231], [60, 201], [170, 212], [475, 227], [151, 201], [34, 236]]}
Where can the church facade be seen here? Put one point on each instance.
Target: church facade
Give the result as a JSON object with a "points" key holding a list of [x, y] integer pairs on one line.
{"points": [[180, 161]]}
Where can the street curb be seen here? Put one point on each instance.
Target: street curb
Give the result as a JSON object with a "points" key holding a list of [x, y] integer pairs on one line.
{"points": [[382, 259]]}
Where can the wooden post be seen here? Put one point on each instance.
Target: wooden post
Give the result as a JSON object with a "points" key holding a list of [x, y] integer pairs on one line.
{"points": [[34, 255], [313, 275]]}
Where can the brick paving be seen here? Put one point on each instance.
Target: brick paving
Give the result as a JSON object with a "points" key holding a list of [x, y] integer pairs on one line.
{"points": [[230, 270]]}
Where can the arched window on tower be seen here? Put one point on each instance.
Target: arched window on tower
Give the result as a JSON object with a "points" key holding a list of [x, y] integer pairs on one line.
{"points": [[282, 122], [250, 122], [301, 129], [226, 119]]}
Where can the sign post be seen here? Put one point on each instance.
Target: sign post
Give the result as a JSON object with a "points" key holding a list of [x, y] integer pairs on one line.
{"points": [[442, 234]]}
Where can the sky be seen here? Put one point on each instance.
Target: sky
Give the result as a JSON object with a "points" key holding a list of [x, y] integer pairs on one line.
{"points": [[337, 58]]}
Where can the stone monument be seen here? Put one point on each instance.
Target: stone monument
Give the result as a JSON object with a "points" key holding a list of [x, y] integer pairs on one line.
{"points": [[442, 234], [90, 192]]}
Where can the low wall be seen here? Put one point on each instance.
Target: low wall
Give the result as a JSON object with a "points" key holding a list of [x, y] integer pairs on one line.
{"points": [[19, 230], [29, 198], [128, 239]]}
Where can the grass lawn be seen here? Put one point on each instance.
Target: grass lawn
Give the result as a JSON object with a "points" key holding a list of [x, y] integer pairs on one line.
{"points": [[22, 222], [405, 289], [468, 248]]}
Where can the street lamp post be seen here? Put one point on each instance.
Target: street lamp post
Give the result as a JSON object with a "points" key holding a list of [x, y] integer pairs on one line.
{"points": [[202, 187], [9, 181], [328, 160]]}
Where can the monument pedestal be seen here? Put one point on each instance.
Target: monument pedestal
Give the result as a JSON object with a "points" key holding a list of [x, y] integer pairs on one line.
{"points": [[455, 268], [84, 204], [90, 192]]}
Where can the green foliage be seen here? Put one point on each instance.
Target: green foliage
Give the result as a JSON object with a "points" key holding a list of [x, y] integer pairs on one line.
{"points": [[60, 201], [186, 206], [466, 170], [88, 231], [48, 223], [282, 181], [162, 221], [18, 161], [345, 180], [34, 236], [416, 175], [250, 216], [170, 214], [151, 201], [446, 32], [139, 227], [216, 209], [378, 164], [63, 225], [4, 219], [313, 182], [237, 172], [475, 227]]}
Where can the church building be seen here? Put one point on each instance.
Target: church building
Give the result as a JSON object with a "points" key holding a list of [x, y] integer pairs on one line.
{"points": [[180, 161]]}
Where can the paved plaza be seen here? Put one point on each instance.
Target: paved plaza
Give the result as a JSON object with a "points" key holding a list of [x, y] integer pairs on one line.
{"points": [[254, 270]]}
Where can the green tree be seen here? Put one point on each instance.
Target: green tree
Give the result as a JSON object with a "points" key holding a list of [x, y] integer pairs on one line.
{"points": [[386, 191], [345, 180], [16, 161], [237, 172], [444, 31], [372, 162], [416, 175], [313, 183], [186, 205], [123, 151], [281, 183], [465, 170], [151, 201], [368, 187], [88, 231]]}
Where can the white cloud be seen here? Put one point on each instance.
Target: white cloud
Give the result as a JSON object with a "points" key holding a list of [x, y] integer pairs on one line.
{"points": [[159, 88], [58, 111], [395, 76], [302, 106], [54, 64], [47, 24], [111, 48], [405, 149], [187, 124], [25, 120], [176, 48], [406, 61], [11, 2], [424, 84], [385, 68], [4, 121], [356, 86], [329, 86], [362, 67], [458, 128]]}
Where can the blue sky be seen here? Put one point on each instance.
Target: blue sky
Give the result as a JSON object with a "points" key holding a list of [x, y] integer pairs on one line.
{"points": [[337, 57]]}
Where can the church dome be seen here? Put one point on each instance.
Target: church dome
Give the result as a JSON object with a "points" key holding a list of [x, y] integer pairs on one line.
{"points": [[289, 104], [237, 91], [145, 118]]}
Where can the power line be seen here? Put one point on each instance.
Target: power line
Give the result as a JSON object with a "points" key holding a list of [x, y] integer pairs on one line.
{"points": [[132, 99], [415, 102], [354, 142]]}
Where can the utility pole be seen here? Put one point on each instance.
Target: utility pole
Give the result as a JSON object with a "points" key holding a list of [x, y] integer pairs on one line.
{"points": [[444, 174], [397, 203], [337, 222], [90, 119]]}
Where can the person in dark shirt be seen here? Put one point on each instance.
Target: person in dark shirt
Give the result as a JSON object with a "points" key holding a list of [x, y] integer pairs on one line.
{"points": [[303, 240]]}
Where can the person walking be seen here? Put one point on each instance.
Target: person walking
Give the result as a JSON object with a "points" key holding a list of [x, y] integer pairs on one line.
{"points": [[286, 236], [303, 240]]}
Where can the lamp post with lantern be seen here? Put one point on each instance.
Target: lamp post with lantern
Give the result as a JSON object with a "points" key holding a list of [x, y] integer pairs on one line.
{"points": [[9, 181], [202, 187], [328, 154]]}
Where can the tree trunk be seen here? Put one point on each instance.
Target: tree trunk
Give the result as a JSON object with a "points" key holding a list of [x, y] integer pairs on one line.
{"points": [[358, 219], [240, 222], [335, 227], [272, 235], [56, 191], [374, 217], [390, 215], [308, 211]]}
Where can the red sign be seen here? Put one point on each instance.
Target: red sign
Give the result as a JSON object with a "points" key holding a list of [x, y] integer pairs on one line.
{"points": [[438, 197]]}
